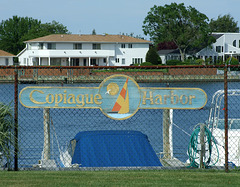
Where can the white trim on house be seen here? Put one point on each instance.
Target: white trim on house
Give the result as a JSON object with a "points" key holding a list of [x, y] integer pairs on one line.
{"points": [[84, 50], [226, 45]]}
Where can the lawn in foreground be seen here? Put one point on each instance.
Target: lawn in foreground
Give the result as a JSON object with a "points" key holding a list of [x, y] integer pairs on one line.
{"points": [[119, 178]]}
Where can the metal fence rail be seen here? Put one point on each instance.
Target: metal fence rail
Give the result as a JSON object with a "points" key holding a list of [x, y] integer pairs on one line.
{"points": [[86, 137]]}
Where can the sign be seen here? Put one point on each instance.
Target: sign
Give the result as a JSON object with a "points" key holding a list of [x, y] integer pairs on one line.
{"points": [[118, 97]]}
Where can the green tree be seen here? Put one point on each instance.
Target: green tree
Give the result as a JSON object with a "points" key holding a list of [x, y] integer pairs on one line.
{"points": [[152, 56], [94, 32], [15, 30], [224, 23], [185, 26]]}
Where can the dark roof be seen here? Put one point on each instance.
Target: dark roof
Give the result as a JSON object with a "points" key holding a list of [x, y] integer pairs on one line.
{"points": [[168, 51]]}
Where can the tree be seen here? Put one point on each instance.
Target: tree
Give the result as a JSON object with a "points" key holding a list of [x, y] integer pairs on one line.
{"points": [[94, 32], [224, 23], [152, 56], [14, 31], [186, 27]]}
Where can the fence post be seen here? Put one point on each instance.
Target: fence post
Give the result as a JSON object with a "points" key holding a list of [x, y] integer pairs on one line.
{"points": [[46, 123], [166, 134], [16, 119], [226, 116], [202, 142]]}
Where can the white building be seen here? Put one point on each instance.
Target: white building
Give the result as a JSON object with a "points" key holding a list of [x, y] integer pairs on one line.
{"points": [[6, 59], [226, 45], [84, 50]]}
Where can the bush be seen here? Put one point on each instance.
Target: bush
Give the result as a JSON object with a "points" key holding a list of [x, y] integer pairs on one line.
{"points": [[6, 127], [152, 56], [199, 61], [146, 64], [233, 61], [174, 62]]}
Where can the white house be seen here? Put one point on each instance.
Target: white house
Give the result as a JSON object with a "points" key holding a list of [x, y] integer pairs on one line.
{"points": [[226, 45], [84, 50], [6, 59]]}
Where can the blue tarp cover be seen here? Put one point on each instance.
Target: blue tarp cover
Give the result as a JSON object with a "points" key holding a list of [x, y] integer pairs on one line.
{"points": [[113, 149]]}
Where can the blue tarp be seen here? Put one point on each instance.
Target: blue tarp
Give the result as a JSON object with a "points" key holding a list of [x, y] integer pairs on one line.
{"points": [[113, 149]]}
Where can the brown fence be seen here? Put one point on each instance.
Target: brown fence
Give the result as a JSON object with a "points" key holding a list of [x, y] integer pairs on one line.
{"points": [[61, 118]]}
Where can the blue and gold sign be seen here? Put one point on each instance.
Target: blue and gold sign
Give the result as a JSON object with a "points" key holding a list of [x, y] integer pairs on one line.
{"points": [[118, 97]]}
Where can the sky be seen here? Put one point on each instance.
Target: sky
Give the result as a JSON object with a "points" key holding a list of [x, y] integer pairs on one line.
{"points": [[107, 16]]}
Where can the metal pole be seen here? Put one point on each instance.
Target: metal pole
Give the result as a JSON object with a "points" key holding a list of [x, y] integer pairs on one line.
{"points": [[16, 119], [226, 117]]}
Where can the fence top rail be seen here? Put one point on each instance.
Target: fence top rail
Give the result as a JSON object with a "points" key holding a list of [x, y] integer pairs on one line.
{"points": [[117, 67]]}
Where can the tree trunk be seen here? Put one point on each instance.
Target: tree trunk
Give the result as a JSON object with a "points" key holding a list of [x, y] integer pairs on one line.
{"points": [[182, 52]]}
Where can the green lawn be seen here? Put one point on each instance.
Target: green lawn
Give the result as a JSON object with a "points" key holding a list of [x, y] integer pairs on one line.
{"points": [[120, 178]]}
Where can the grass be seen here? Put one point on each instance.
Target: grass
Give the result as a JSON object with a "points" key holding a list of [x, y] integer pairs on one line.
{"points": [[120, 178]]}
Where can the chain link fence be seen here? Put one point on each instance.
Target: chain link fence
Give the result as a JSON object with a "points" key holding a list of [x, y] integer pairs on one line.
{"points": [[87, 137]]}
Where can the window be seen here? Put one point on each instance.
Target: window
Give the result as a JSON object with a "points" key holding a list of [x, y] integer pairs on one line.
{"points": [[96, 46], [117, 60], [93, 62], [218, 49], [234, 43], [55, 62], [51, 46], [129, 45], [137, 60], [77, 46], [122, 45], [40, 46], [104, 60], [123, 61], [6, 61]]}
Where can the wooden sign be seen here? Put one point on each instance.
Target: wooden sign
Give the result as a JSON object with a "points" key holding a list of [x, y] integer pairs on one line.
{"points": [[118, 97]]}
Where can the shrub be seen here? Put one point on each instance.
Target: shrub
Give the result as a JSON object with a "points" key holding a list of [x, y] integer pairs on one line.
{"points": [[146, 64], [152, 56], [6, 127], [199, 61], [174, 62], [233, 61]]}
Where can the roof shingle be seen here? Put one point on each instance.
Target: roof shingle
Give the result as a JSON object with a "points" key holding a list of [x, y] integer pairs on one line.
{"points": [[6, 54], [89, 38]]}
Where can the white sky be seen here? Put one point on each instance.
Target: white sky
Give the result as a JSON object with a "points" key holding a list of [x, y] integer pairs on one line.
{"points": [[107, 16]]}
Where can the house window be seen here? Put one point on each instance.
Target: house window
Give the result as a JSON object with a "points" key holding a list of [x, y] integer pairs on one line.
{"points": [[123, 61], [218, 49], [122, 45], [40, 46], [117, 60], [77, 46], [130, 46], [96, 46], [6, 61], [55, 62], [93, 62], [234, 43], [137, 60], [104, 60], [51, 46]]}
